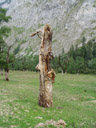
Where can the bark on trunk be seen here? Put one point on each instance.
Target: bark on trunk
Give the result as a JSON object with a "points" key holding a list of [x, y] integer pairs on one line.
{"points": [[47, 74], [6, 75], [1, 71], [62, 72], [7, 67], [62, 66]]}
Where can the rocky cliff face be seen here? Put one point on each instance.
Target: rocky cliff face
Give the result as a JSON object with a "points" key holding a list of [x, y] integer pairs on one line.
{"points": [[70, 20]]}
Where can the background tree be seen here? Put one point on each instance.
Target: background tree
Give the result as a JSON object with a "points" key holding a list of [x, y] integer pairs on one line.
{"points": [[71, 66], [94, 50], [8, 59], [4, 31], [63, 62], [80, 64], [92, 65]]}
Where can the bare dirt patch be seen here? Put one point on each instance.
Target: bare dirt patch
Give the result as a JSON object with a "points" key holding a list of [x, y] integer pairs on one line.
{"points": [[59, 123]]}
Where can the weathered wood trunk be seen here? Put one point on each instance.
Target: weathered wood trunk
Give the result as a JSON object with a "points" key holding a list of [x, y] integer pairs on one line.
{"points": [[6, 74], [1, 71], [47, 74], [7, 64]]}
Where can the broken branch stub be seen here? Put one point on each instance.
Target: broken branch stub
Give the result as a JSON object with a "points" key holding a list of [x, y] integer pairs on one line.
{"points": [[47, 74]]}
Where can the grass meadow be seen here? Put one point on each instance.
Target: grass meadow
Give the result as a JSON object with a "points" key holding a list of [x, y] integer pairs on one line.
{"points": [[74, 98]]}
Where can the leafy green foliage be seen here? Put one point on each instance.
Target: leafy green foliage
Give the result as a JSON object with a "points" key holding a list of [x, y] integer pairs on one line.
{"points": [[71, 65], [3, 17], [25, 63], [77, 60], [17, 49], [4, 32]]}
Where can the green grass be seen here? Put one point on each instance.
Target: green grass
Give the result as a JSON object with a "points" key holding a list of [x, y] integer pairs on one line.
{"points": [[74, 101]]}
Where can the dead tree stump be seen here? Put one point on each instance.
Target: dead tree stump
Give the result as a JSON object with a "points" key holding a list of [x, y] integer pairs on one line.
{"points": [[47, 74]]}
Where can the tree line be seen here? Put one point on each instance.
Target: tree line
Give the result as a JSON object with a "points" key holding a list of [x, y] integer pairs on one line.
{"points": [[79, 59]]}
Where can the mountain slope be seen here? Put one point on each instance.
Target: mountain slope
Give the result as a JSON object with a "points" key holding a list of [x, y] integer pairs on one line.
{"points": [[70, 20]]}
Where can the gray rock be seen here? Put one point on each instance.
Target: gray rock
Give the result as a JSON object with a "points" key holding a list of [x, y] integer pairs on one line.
{"points": [[70, 20]]}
